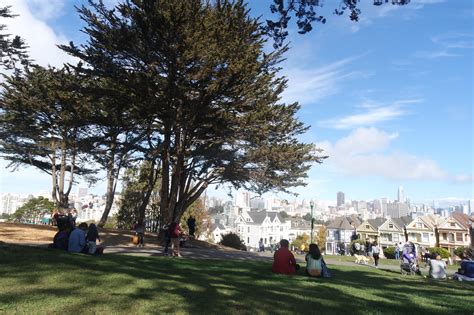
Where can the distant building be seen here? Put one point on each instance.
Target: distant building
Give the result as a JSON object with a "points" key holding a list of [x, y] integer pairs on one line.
{"points": [[266, 225], [397, 209], [470, 206], [340, 199], [401, 195], [82, 192], [242, 199], [340, 233]]}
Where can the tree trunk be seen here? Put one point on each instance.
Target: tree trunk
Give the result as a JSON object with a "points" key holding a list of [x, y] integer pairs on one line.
{"points": [[111, 184]]}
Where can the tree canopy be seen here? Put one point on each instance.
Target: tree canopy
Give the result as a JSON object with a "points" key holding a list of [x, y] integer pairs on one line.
{"points": [[204, 92], [12, 48], [33, 209]]}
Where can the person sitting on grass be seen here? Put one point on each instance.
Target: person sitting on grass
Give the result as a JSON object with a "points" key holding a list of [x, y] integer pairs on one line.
{"points": [[61, 239], [92, 237], [283, 260], [437, 268], [77, 239], [314, 260]]}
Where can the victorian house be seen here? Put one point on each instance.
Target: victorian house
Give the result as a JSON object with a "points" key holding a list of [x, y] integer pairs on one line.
{"points": [[369, 229], [392, 231], [454, 231], [340, 233], [422, 230]]}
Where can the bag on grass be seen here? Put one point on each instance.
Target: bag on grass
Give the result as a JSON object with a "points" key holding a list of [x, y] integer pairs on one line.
{"points": [[135, 240], [325, 271]]}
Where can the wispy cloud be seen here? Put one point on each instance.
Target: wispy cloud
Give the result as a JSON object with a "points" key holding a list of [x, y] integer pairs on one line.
{"points": [[46, 10], [447, 45], [374, 113], [314, 84], [367, 152]]}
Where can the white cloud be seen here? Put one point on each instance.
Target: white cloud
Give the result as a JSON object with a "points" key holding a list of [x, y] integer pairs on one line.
{"points": [[375, 113], [312, 85], [39, 36], [366, 152], [45, 10]]}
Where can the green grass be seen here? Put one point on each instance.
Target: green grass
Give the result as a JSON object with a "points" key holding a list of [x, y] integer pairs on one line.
{"points": [[39, 281], [382, 261]]}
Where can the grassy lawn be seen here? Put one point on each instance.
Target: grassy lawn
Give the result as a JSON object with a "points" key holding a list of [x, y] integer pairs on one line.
{"points": [[34, 280], [382, 261]]}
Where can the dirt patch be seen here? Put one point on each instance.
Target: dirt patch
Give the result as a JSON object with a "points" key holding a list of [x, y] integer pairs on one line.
{"points": [[16, 233]]}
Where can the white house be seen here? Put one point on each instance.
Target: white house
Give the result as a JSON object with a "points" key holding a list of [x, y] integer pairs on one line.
{"points": [[269, 226], [217, 230], [392, 231], [422, 230]]}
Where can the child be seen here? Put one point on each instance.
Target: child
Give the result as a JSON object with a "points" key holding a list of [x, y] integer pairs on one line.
{"points": [[92, 237]]}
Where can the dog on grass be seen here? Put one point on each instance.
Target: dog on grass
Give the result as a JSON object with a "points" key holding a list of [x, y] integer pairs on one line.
{"points": [[361, 259]]}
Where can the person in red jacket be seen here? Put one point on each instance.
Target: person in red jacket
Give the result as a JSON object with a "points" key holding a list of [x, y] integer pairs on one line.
{"points": [[175, 233], [283, 260]]}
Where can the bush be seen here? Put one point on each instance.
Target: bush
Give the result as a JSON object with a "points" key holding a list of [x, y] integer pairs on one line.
{"points": [[460, 250], [351, 248], [233, 240], [389, 252], [434, 251]]}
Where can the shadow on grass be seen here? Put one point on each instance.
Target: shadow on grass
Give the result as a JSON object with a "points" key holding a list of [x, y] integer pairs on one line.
{"points": [[32, 278]]}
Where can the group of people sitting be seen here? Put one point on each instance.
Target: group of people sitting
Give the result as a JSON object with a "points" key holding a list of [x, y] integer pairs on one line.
{"points": [[284, 261], [80, 239]]}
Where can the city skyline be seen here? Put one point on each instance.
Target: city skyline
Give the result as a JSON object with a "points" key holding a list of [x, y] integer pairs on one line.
{"points": [[390, 109]]}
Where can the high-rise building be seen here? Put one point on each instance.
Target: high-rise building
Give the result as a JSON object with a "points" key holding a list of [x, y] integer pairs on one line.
{"points": [[340, 199], [242, 199], [401, 195], [397, 209], [471, 206]]}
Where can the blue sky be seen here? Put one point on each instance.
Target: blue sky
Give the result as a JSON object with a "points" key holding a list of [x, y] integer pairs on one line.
{"points": [[389, 98]]}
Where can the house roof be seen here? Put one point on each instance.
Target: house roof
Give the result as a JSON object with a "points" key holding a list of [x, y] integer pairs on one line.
{"points": [[376, 223], [259, 216], [402, 221], [341, 223], [218, 225], [462, 218]]}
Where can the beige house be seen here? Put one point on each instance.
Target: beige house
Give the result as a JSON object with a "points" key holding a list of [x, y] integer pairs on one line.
{"points": [[454, 231], [392, 231], [369, 229], [422, 230]]}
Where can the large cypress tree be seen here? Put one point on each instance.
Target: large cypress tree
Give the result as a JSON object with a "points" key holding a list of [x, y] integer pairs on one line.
{"points": [[206, 95], [42, 125]]}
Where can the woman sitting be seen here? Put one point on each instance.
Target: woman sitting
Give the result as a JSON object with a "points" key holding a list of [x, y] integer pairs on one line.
{"points": [[314, 261]]}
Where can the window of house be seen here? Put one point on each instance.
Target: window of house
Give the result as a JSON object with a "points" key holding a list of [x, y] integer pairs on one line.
{"points": [[452, 224], [445, 236], [390, 226], [281, 229], [248, 229], [459, 237], [419, 224], [367, 226], [395, 238], [248, 240], [425, 237]]}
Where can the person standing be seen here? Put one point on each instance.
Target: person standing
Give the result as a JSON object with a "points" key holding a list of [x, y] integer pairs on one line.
{"points": [[397, 252], [191, 226], [261, 247], [375, 254], [175, 233]]}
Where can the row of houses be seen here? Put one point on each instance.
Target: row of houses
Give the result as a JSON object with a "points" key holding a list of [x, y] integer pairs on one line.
{"points": [[427, 231]]}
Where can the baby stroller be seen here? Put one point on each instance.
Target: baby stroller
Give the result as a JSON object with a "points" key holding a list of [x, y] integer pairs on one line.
{"points": [[408, 264]]}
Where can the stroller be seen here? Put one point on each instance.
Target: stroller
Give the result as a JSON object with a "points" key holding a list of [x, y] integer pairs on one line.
{"points": [[408, 264]]}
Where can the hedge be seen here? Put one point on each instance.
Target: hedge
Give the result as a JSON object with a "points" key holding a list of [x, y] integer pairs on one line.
{"points": [[389, 252], [434, 251], [233, 240]]}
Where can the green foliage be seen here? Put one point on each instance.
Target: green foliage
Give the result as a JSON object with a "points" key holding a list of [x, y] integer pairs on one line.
{"points": [[301, 241], [351, 248], [284, 215], [307, 217], [33, 209], [458, 251], [216, 209], [134, 187], [12, 49], [389, 252], [232, 240], [321, 238], [444, 253], [42, 124], [199, 213], [207, 98], [111, 223]]}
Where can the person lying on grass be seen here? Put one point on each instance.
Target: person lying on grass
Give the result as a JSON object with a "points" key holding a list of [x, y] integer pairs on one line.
{"points": [[314, 259], [283, 260]]}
